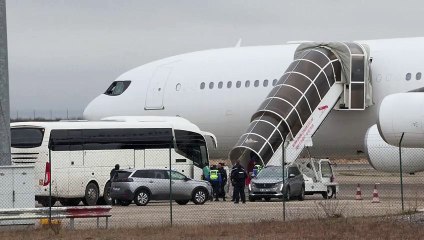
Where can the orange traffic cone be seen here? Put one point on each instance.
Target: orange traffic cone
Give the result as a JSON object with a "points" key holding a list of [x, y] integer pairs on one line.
{"points": [[375, 197], [358, 195]]}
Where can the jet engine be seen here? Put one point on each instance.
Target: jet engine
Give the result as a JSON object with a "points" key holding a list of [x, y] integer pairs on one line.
{"points": [[402, 113], [385, 157]]}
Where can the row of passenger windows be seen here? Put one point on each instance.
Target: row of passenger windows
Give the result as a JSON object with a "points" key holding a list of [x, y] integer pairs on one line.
{"points": [[238, 84], [409, 76]]}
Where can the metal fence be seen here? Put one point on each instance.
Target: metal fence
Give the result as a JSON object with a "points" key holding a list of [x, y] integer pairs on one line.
{"points": [[152, 197]]}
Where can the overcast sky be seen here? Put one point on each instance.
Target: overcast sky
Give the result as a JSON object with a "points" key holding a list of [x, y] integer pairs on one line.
{"points": [[63, 53]]}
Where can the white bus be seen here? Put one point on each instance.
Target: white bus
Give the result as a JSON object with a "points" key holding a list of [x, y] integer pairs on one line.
{"points": [[82, 153]]}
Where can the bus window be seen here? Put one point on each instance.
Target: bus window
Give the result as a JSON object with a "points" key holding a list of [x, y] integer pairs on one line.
{"points": [[26, 137], [192, 146]]}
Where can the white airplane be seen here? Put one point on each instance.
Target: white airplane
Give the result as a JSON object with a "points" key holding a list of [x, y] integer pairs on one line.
{"points": [[221, 89]]}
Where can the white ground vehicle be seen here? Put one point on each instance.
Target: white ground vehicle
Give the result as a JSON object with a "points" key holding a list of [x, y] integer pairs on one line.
{"points": [[319, 177], [83, 153]]}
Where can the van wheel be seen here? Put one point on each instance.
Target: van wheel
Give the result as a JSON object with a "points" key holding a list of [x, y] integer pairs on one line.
{"points": [[200, 196], [91, 195], [252, 199], [124, 202], [302, 194], [142, 197], [182, 202], [329, 194], [267, 199], [106, 194]]}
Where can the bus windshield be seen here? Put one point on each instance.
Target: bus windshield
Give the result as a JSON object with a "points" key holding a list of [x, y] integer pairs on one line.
{"points": [[192, 146], [26, 137]]}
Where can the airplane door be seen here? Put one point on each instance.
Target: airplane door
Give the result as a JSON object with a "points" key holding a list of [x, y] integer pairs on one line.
{"points": [[156, 89]]}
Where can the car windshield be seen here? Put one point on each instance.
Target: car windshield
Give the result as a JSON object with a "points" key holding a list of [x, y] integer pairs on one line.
{"points": [[272, 172]]}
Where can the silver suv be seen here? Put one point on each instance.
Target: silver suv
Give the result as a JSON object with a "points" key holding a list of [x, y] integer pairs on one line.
{"points": [[269, 184], [143, 185]]}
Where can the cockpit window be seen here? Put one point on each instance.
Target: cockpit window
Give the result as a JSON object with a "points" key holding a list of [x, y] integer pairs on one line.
{"points": [[117, 88]]}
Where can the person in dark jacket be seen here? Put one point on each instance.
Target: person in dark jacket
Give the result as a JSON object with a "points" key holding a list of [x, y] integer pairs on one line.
{"points": [[238, 178], [222, 181], [112, 175], [234, 168]]}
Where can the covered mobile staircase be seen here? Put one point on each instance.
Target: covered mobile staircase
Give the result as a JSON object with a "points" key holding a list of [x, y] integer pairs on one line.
{"points": [[322, 77]]}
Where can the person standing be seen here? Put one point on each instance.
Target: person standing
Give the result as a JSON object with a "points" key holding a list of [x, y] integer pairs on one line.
{"points": [[238, 177], [234, 168], [112, 175], [214, 180], [223, 180]]}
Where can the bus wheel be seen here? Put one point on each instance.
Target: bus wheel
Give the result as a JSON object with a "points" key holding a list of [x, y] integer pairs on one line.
{"points": [[91, 195], [70, 201], [45, 202]]}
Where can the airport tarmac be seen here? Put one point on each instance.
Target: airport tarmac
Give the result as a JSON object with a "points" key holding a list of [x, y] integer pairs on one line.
{"points": [[348, 176]]}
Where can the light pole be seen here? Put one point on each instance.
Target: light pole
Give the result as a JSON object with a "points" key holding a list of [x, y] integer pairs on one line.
{"points": [[4, 91]]}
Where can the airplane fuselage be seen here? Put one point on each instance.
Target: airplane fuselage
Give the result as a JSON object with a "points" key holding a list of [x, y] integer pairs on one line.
{"points": [[189, 86]]}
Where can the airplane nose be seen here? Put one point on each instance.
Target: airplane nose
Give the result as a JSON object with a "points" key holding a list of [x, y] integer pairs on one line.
{"points": [[92, 110]]}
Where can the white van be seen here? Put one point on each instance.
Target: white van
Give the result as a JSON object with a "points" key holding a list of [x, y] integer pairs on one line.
{"points": [[319, 177]]}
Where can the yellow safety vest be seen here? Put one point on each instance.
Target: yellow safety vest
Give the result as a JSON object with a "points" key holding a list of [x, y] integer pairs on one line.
{"points": [[259, 167], [214, 175]]}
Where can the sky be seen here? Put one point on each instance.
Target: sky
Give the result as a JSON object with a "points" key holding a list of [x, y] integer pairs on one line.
{"points": [[63, 53]]}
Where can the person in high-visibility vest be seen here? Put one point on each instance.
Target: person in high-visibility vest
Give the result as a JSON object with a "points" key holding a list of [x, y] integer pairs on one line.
{"points": [[256, 169], [214, 179]]}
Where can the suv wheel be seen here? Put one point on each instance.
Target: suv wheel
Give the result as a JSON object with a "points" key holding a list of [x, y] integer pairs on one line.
{"points": [[142, 197], [252, 199], [302, 194], [287, 194], [91, 195], [182, 202], [200, 196], [106, 194], [124, 202]]}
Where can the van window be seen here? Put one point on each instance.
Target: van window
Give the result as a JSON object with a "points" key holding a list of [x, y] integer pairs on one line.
{"points": [[326, 169], [26, 137]]}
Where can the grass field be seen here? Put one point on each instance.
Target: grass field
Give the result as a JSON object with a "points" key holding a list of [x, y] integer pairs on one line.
{"points": [[340, 228]]}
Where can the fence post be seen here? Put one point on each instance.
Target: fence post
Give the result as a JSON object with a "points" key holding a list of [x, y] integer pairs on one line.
{"points": [[170, 184], [50, 187], [283, 161], [400, 171]]}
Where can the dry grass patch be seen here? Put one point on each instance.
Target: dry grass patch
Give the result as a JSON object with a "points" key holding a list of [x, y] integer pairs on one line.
{"points": [[341, 228]]}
